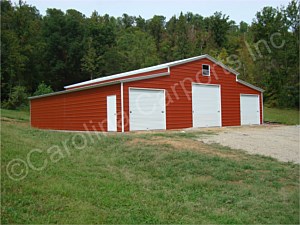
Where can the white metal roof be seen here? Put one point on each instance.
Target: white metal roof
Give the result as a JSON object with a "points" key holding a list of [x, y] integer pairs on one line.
{"points": [[149, 69]]}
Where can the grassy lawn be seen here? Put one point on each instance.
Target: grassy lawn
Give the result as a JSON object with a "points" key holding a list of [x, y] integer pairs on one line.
{"points": [[283, 116], [140, 178], [14, 114]]}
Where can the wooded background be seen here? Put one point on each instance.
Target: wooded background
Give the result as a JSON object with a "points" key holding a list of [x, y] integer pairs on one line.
{"points": [[40, 54]]}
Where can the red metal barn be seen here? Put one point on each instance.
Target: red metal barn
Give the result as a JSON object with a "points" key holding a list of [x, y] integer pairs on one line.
{"points": [[194, 92]]}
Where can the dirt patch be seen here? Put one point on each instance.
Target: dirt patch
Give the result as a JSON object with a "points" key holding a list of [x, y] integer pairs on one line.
{"points": [[280, 142], [184, 144]]}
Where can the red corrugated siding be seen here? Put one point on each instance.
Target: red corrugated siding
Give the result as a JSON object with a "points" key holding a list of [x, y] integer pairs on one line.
{"points": [[72, 110], [132, 76], [179, 96]]}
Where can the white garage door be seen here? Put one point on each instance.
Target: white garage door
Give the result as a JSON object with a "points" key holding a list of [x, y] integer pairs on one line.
{"points": [[147, 109], [206, 105], [250, 109]]}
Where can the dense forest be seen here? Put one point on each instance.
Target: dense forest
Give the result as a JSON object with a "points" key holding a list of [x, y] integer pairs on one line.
{"points": [[40, 54]]}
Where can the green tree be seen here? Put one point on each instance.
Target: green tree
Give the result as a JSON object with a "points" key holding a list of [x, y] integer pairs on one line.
{"points": [[64, 47], [156, 27], [102, 31], [90, 61], [42, 89], [219, 26], [18, 98], [127, 21], [20, 46], [140, 23], [137, 50], [277, 57]]}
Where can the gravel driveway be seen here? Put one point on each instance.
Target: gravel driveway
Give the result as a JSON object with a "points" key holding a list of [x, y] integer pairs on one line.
{"points": [[280, 142]]}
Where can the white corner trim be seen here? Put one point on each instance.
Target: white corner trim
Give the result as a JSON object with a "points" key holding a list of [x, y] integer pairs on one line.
{"points": [[221, 117], [262, 107], [122, 107]]}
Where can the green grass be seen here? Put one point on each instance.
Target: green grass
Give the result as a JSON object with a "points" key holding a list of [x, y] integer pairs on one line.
{"points": [[141, 178], [283, 116], [14, 114]]}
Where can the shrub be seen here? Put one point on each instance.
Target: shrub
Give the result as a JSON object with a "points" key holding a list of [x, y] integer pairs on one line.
{"points": [[18, 98], [43, 89]]}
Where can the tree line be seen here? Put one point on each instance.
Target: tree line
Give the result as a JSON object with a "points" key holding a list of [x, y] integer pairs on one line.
{"points": [[40, 54]]}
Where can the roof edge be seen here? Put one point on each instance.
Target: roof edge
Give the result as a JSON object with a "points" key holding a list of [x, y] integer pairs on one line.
{"points": [[102, 84], [222, 65], [202, 57], [74, 90], [119, 75], [250, 85], [151, 69]]}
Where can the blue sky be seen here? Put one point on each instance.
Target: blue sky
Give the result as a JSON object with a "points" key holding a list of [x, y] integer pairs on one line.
{"points": [[238, 10]]}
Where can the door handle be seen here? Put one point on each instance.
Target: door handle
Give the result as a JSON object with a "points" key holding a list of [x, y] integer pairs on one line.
{"points": [[162, 111], [130, 111]]}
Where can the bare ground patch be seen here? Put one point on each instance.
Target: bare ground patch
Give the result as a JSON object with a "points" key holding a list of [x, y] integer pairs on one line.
{"points": [[280, 142], [185, 144]]}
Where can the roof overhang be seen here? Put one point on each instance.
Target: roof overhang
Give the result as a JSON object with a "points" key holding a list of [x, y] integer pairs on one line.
{"points": [[152, 69], [103, 84], [250, 85], [215, 61]]}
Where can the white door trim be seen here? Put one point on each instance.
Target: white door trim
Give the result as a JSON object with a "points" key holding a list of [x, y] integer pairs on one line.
{"points": [[250, 94], [154, 89], [259, 107], [220, 104], [111, 125], [198, 83]]}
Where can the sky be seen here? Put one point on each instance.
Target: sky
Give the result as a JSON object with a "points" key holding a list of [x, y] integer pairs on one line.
{"points": [[237, 10]]}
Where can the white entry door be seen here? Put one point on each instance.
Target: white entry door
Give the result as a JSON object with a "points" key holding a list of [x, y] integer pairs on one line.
{"points": [[147, 109], [111, 113], [206, 105], [250, 110]]}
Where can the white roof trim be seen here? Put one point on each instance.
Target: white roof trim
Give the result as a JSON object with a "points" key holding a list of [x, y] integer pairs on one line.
{"points": [[250, 85], [103, 84], [152, 68], [120, 75]]}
